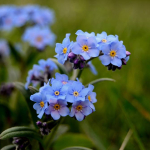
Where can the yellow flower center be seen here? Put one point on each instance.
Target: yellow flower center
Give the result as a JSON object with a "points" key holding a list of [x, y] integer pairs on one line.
{"points": [[79, 107], [56, 92], [56, 106], [112, 53], [39, 38], [85, 48], [42, 104], [104, 40], [64, 82], [75, 93], [65, 50], [89, 97]]}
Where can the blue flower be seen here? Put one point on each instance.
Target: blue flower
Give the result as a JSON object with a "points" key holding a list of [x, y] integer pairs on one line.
{"points": [[103, 38], [41, 103], [113, 53], [80, 110], [57, 108], [92, 67], [76, 92], [39, 37], [63, 49], [4, 48], [57, 90], [86, 46], [91, 96]]}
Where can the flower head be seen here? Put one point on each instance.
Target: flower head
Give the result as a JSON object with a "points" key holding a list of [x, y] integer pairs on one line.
{"points": [[80, 110], [85, 46], [113, 53], [63, 49], [41, 103], [76, 92], [57, 108]]}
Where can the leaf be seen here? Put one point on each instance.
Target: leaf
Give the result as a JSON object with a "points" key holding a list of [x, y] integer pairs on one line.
{"points": [[77, 148], [72, 139], [17, 56], [61, 68], [14, 129], [100, 80], [92, 135], [33, 89], [9, 147], [28, 134], [27, 94]]}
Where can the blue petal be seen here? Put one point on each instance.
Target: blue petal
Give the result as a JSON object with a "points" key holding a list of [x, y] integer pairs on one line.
{"points": [[72, 113], [84, 92], [85, 55], [76, 48], [37, 107], [105, 59], [121, 53], [36, 97], [93, 97], [87, 111], [91, 87], [116, 61], [82, 40], [62, 102], [105, 48], [77, 86], [93, 52], [58, 48], [57, 85], [79, 116], [41, 114], [92, 42], [115, 45], [70, 98], [55, 115], [48, 110], [64, 111]]}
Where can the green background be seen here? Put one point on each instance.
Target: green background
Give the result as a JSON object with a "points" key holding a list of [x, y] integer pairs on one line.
{"points": [[122, 105]]}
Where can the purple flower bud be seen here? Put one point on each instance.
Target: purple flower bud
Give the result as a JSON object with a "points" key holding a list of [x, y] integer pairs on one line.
{"points": [[124, 62], [81, 58], [39, 124], [6, 89], [76, 61], [128, 53], [81, 65], [71, 55]]}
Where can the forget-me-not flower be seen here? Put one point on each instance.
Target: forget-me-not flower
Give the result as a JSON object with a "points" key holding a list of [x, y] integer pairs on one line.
{"points": [[57, 108], [41, 103], [63, 49], [113, 53], [80, 110]]}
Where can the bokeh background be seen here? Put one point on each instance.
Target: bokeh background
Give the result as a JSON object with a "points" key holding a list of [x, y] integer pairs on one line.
{"points": [[122, 105]]}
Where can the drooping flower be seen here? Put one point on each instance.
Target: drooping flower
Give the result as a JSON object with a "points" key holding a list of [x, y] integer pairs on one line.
{"points": [[91, 97], [80, 110], [57, 108], [41, 103], [39, 37], [76, 92], [63, 49], [92, 67], [86, 46], [113, 53]]}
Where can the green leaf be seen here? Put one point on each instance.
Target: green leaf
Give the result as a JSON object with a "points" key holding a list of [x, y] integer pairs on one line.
{"points": [[17, 56], [100, 80], [61, 68], [9, 147], [14, 129], [28, 134], [27, 93], [71, 139], [77, 148]]}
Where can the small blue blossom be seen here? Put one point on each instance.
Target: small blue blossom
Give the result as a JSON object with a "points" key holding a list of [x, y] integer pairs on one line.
{"points": [[63, 49], [76, 92], [57, 108], [4, 48], [80, 32], [92, 67], [39, 37], [80, 110], [113, 53], [86, 46], [103, 38], [57, 90], [41, 103]]}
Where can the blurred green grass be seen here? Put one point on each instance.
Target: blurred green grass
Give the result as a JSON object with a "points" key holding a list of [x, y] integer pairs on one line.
{"points": [[130, 21]]}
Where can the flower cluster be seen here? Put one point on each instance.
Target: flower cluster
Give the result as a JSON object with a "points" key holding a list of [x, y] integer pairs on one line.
{"points": [[55, 97], [108, 48], [12, 16], [41, 73], [39, 37]]}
